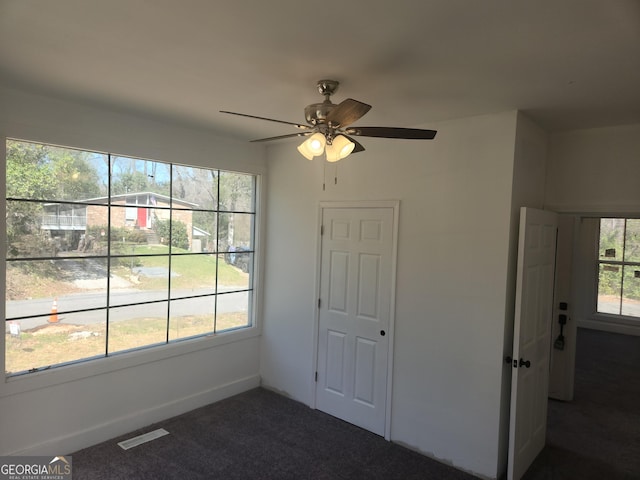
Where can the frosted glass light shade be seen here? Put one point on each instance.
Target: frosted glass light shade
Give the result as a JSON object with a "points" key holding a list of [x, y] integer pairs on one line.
{"points": [[312, 146], [340, 148]]}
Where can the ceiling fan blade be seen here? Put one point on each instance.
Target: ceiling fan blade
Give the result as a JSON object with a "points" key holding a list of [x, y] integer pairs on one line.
{"points": [[298, 125], [358, 147], [347, 112], [392, 132], [279, 137]]}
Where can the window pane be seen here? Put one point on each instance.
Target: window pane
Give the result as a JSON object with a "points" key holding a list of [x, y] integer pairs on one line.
{"points": [[139, 279], [611, 238], [181, 231], [234, 272], [631, 293], [194, 188], [632, 241], [193, 275], [134, 181], [37, 230], [236, 231], [75, 284], [128, 240], [137, 326], [44, 172], [233, 311], [193, 316], [236, 192], [37, 343], [609, 288], [204, 232]]}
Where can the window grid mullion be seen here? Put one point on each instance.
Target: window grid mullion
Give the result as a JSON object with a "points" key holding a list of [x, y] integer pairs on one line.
{"points": [[624, 246], [108, 302], [170, 246], [215, 300]]}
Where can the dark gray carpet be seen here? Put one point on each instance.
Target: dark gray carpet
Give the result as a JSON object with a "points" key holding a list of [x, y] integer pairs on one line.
{"points": [[596, 436], [258, 435], [262, 435]]}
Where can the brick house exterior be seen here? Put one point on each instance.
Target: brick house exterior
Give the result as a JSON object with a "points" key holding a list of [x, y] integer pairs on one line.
{"points": [[133, 210]]}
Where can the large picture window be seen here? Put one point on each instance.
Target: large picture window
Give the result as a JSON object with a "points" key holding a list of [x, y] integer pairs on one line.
{"points": [[106, 254], [619, 267]]}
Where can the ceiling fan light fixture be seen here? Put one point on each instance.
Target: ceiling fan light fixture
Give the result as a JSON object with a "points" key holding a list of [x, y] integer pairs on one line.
{"points": [[312, 146], [340, 148]]}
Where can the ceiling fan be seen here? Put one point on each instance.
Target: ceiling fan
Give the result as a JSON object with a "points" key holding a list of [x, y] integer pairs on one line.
{"points": [[329, 127]]}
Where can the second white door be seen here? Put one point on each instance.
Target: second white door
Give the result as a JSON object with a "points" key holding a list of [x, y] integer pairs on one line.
{"points": [[532, 338], [356, 296]]}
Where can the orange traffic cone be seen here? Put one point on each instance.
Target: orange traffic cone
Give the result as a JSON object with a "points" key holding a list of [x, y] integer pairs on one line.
{"points": [[53, 317]]}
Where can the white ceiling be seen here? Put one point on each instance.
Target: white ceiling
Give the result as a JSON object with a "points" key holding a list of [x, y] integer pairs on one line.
{"points": [[567, 63]]}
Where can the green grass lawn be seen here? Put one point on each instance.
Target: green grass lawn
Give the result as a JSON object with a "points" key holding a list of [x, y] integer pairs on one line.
{"points": [[190, 271]]}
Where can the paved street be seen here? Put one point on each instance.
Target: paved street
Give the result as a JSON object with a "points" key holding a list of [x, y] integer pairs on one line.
{"points": [[229, 302]]}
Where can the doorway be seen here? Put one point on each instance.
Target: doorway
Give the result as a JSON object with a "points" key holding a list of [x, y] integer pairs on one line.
{"points": [[596, 435]]}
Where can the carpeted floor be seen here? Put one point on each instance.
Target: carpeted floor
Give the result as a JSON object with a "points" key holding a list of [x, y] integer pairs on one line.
{"points": [[258, 435], [262, 435]]}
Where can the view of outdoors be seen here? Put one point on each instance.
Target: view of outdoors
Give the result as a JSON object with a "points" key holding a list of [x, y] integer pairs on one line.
{"points": [[619, 267], [107, 253]]}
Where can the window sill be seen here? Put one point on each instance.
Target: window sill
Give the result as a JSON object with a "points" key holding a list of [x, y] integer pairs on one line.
{"points": [[611, 323], [134, 358], [612, 318]]}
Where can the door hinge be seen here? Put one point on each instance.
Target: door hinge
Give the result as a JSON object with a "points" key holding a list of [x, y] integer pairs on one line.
{"points": [[321, 230], [316, 377], [319, 303]]}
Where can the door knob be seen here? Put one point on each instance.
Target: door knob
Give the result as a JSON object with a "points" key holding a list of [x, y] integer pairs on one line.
{"points": [[524, 363], [383, 333]]}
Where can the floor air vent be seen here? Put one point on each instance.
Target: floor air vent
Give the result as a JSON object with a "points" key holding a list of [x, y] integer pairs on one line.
{"points": [[140, 439]]}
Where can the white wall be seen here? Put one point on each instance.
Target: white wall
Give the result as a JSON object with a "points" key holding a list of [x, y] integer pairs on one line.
{"points": [[64, 409], [454, 246], [594, 172]]}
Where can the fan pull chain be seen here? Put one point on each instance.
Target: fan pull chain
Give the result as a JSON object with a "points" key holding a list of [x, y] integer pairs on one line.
{"points": [[324, 176]]}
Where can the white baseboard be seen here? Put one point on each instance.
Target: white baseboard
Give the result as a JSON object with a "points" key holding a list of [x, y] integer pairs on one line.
{"points": [[66, 444]]}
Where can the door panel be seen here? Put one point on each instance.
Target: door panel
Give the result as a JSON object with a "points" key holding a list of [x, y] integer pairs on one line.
{"points": [[365, 373], [336, 346], [368, 290], [532, 338], [339, 273], [354, 315]]}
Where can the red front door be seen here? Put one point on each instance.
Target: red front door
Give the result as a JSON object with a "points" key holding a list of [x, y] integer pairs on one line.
{"points": [[142, 218]]}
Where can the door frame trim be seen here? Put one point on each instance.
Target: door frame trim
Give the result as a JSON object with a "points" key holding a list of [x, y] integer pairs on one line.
{"points": [[395, 206]]}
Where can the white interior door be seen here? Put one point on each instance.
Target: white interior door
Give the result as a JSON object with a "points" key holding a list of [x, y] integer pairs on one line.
{"points": [[532, 338], [356, 297]]}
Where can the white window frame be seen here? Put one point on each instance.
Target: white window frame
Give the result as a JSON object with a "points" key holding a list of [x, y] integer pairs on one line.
{"points": [[13, 385], [619, 263]]}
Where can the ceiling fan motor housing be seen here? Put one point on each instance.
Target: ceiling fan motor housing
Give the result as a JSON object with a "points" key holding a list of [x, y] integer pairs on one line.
{"points": [[316, 113]]}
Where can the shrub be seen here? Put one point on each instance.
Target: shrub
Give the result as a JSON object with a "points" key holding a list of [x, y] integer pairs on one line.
{"points": [[179, 237]]}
